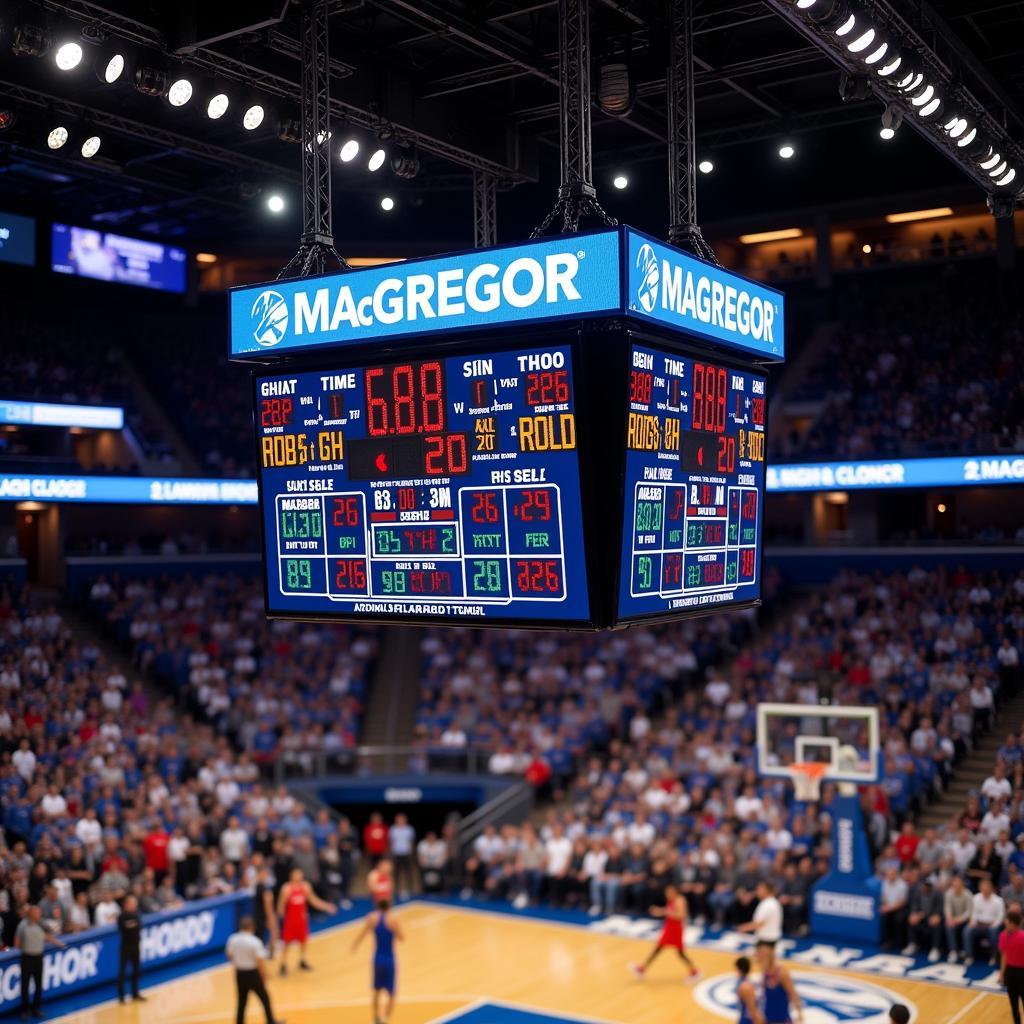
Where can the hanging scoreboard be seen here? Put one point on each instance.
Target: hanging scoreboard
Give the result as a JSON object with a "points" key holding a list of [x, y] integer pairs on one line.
{"points": [[438, 487], [694, 484], [567, 432]]}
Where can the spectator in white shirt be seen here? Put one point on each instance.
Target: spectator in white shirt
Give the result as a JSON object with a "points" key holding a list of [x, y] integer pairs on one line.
{"points": [[982, 703], [766, 924], [106, 912], [997, 786], [962, 850], [88, 831], [996, 820], [53, 803], [454, 737], [234, 841], [559, 856], [986, 920], [24, 761], [748, 803]]}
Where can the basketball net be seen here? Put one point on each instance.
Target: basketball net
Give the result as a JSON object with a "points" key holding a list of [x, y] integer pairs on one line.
{"points": [[807, 776]]}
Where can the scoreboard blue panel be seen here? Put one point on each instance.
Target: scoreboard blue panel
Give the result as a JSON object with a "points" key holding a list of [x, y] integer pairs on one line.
{"points": [[427, 489], [694, 484]]}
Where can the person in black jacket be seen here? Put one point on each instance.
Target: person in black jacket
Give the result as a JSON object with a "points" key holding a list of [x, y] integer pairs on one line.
{"points": [[129, 925]]}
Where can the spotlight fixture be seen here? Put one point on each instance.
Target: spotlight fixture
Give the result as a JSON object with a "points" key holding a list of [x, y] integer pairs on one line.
{"points": [[405, 163], [151, 81], [387, 204], [892, 118], [705, 166], [616, 92], [57, 137], [376, 161], [349, 151], [30, 41], [217, 107], [68, 56], [275, 203], [91, 147], [179, 92], [111, 69], [8, 118], [786, 151], [620, 181], [253, 117]]}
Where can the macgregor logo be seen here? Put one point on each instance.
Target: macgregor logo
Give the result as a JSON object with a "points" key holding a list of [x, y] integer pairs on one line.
{"points": [[522, 283], [696, 296], [647, 289], [270, 318]]}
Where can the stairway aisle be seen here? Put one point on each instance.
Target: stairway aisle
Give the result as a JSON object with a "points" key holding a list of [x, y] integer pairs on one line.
{"points": [[391, 704], [976, 767]]}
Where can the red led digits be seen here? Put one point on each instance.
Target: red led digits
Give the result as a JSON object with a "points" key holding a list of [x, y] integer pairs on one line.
{"points": [[346, 511], [485, 507], [405, 399], [535, 506], [275, 412], [547, 387], [446, 455], [538, 575], [350, 575], [710, 387]]}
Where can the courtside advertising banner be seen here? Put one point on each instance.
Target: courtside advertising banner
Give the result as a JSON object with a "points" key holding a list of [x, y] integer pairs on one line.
{"points": [[90, 959]]}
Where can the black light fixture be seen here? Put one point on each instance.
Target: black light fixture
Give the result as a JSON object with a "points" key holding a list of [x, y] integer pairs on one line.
{"points": [[30, 40], [151, 81], [8, 118], [289, 129], [405, 163], [616, 92]]}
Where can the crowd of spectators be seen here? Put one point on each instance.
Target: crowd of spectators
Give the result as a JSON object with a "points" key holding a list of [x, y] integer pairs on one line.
{"points": [[280, 691], [107, 790], [915, 371]]}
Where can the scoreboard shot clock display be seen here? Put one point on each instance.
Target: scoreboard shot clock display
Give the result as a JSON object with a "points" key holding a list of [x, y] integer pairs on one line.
{"points": [[567, 433]]}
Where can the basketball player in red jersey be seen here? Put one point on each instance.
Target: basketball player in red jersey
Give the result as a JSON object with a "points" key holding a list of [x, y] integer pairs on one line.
{"points": [[674, 913], [380, 881], [293, 909]]}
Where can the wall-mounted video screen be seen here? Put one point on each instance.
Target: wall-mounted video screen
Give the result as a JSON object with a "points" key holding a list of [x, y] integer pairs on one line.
{"points": [[17, 239], [104, 256]]}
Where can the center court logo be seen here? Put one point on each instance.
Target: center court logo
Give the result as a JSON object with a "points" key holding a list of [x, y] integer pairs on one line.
{"points": [[647, 289], [827, 998], [270, 318]]}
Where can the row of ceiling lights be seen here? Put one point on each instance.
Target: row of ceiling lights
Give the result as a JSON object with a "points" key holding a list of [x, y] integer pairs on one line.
{"points": [[902, 71], [112, 68]]}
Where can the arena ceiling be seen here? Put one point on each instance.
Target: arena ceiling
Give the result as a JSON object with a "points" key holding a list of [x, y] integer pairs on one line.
{"points": [[466, 85]]}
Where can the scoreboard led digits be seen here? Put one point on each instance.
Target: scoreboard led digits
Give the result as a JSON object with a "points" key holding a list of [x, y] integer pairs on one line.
{"points": [[426, 488], [694, 484]]}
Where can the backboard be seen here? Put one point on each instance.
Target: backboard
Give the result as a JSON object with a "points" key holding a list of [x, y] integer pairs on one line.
{"points": [[844, 738]]}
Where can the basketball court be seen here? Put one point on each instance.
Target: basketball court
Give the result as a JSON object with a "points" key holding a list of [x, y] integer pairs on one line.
{"points": [[470, 966]]}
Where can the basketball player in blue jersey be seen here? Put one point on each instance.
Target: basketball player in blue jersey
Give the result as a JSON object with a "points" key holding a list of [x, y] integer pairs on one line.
{"points": [[780, 1003], [385, 931], [746, 994]]}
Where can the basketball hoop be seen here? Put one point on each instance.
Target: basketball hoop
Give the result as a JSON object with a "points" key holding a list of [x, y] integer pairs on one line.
{"points": [[807, 776]]}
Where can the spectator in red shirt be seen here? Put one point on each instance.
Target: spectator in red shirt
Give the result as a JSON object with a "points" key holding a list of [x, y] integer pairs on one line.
{"points": [[375, 838], [538, 772], [907, 843], [155, 849]]}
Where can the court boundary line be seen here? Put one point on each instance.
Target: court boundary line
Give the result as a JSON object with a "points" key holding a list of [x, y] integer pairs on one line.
{"points": [[963, 1011], [506, 1004]]}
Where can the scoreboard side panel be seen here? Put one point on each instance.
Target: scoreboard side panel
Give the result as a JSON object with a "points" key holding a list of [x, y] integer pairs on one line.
{"points": [[692, 508]]}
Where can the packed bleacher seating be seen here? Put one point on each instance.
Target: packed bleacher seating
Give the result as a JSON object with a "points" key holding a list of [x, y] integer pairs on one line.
{"points": [[108, 788], [278, 689], [914, 370]]}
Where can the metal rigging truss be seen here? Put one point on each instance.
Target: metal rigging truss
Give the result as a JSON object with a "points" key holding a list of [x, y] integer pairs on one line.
{"points": [[576, 195]]}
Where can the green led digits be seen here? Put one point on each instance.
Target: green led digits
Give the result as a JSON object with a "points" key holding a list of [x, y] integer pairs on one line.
{"points": [[305, 524], [648, 516], [486, 576], [298, 573]]}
